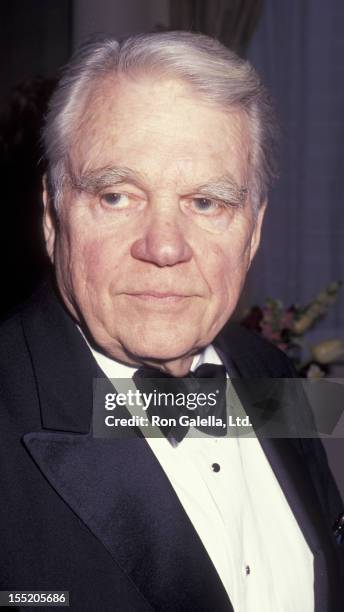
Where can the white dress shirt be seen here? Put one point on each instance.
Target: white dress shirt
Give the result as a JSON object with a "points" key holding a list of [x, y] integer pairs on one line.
{"points": [[238, 509]]}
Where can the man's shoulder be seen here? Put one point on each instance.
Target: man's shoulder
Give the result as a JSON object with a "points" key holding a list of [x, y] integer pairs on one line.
{"points": [[12, 342], [251, 354], [12, 336], [45, 364], [33, 319], [18, 395]]}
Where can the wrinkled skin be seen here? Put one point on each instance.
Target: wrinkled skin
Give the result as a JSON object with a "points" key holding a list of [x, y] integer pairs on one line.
{"points": [[149, 269]]}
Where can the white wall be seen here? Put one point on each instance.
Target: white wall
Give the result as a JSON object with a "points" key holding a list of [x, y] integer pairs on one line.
{"points": [[117, 17]]}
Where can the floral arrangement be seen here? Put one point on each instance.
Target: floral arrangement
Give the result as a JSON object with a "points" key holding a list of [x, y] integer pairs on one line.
{"points": [[286, 328]]}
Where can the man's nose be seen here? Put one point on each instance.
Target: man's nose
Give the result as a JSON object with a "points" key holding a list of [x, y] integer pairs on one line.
{"points": [[163, 241]]}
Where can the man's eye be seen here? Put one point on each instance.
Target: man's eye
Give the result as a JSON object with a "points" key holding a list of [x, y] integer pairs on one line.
{"points": [[117, 200], [206, 205]]}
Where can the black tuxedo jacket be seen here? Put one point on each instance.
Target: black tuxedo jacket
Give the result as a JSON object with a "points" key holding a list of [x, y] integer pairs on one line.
{"points": [[99, 517]]}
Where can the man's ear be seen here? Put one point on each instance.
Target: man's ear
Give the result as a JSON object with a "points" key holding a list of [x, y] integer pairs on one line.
{"points": [[49, 220], [255, 239]]}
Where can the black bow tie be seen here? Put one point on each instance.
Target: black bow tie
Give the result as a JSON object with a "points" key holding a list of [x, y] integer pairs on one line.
{"points": [[199, 396]]}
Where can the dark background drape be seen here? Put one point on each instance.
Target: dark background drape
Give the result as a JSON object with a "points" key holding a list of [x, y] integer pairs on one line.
{"points": [[299, 50], [233, 22]]}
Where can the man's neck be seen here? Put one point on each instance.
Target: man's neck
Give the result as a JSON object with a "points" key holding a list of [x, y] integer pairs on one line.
{"points": [[117, 369]]}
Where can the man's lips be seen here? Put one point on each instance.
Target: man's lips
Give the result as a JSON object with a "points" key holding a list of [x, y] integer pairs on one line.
{"points": [[163, 296]]}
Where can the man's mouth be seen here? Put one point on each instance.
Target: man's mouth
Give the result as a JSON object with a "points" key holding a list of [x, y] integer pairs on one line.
{"points": [[159, 296]]}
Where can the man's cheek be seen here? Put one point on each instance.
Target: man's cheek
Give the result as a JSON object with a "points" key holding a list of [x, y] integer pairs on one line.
{"points": [[229, 279], [100, 261]]}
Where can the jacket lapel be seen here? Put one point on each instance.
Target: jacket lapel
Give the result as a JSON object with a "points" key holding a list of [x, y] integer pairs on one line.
{"points": [[120, 492], [116, 486]]}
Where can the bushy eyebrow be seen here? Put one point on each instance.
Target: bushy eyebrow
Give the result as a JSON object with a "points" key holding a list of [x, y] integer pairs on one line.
{"points": [[94, 181], [223, 188]]}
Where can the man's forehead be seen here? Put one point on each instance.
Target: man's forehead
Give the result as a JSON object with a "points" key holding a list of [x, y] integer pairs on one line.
{"points": [[150, 135], [115, 97], [110, 87]]}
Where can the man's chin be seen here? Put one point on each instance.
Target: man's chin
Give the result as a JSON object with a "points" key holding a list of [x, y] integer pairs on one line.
{"points": [[159, 351]]}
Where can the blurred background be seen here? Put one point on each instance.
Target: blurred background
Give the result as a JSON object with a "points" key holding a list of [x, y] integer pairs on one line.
{"points": [[298, 48]]}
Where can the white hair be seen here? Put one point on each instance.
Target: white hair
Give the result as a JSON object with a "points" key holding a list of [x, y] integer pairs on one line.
{"points": [[216, 73]]}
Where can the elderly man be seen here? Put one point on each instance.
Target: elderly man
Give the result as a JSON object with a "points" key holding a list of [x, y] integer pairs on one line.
{"points": [[160, 153]]}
